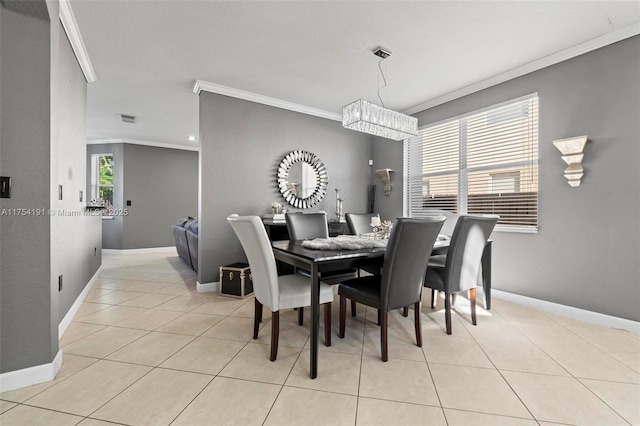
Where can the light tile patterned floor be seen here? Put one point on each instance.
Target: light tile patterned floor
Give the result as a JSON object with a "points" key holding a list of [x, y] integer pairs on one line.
{"points": [[146, 348]]}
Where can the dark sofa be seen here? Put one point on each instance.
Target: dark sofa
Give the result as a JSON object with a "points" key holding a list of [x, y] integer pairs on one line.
{"points": [[192, 242], [185, 234]]}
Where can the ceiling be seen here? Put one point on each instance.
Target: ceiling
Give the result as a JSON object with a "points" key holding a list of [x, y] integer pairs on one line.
{"points": [[147, 54]]}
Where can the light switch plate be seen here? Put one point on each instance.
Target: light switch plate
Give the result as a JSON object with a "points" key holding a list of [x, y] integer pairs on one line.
{"points": [[5, 187]]}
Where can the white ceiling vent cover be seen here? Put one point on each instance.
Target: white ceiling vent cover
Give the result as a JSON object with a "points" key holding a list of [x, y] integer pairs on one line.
{"points": [[128, 118]]}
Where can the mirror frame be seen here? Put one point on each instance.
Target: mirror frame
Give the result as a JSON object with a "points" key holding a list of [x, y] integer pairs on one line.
{"points": [[283, 179]]}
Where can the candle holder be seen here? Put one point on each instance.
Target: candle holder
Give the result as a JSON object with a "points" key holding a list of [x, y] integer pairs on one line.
{"points": [[385, 228], [375, 226], [339, 215]]}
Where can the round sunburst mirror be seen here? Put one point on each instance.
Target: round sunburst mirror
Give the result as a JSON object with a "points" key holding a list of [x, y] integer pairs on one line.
{"points": [[302, 179]]}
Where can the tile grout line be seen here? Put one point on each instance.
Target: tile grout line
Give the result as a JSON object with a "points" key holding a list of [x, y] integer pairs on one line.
{"points": [[193, 399], [364, 329], [571, 375], [424, 355], [502, 375], [286, 378], [136, 381], [61, 380], [603, 401]]}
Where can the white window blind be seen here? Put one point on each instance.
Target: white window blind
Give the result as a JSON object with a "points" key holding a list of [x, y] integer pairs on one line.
{"points": [[484, 162]]}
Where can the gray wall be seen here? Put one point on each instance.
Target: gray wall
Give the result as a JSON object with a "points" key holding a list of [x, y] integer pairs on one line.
{"points": [[111, 228], [587, 251], [76, 252], [162, 184], [385, 156], [241, 145], [42, 140], [28, 327]]}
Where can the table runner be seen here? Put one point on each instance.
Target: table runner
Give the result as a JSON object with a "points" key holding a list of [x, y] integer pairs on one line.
{"points": [[343, 242]]}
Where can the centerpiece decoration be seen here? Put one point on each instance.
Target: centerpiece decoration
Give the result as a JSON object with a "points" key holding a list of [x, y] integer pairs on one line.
{"points": [[385, 228], [276, 207], [381, 229]]}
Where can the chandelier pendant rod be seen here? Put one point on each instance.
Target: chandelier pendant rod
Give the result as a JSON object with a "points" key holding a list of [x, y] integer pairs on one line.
{"points": [[383, 79]]}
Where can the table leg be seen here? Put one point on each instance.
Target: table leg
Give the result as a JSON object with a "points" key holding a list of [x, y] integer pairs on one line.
{"points": [[315, 319], [486, 275]]}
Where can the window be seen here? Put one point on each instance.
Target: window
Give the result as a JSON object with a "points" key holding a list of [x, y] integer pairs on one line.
{"points": [[484, 162], [102, 178], [504, 182]]}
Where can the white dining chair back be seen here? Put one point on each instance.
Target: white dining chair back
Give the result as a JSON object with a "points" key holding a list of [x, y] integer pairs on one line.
{"points": [[287, 291], [255, 242]]}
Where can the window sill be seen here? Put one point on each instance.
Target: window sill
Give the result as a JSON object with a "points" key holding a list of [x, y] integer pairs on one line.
{"points": [[516, 229]]}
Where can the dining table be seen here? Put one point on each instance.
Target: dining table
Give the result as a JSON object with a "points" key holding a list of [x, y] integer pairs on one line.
{"points": [[318, 261]]}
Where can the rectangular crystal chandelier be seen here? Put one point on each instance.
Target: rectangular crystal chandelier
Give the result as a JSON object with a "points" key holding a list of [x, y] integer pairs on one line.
{"points": [[370, 118]]}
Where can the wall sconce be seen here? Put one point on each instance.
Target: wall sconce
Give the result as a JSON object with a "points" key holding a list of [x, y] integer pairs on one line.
{"points": [[572, 154], [385, 175]]}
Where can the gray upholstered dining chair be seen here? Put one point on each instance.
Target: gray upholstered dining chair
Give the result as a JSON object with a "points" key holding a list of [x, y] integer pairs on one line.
{"points": [[307, 226], [272, 291], [460, 268], [359, 223], [400, 285]]}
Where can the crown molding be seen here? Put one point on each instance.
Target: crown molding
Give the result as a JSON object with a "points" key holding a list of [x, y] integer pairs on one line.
{"points": [[143, 142], [70, 25], [563, 55], [199, 86]]}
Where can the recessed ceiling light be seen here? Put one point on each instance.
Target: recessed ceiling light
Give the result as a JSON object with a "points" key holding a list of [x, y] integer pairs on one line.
{"points": [[192, 138]]}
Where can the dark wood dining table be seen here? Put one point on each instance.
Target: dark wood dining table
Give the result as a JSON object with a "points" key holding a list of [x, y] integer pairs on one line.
{"points": [[318, 261]]}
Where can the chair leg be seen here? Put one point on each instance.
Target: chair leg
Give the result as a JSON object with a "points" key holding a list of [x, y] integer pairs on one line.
{"points": [[472, 299], [405, 311], [327, 324], [300, 316], [353, 304], [433, 298], [343, 316], [275, 331], [384, 344], [257, 318], [418, 323], [447, 311]]}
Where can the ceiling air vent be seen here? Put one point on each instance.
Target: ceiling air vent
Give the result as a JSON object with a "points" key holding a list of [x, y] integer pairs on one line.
{"points": [[128, 118]]}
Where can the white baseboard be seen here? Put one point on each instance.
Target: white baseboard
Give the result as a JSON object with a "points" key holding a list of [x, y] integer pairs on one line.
{"points": [[30, 376], [64, 324], [139, 251], [569, 311], [207, 287]]}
